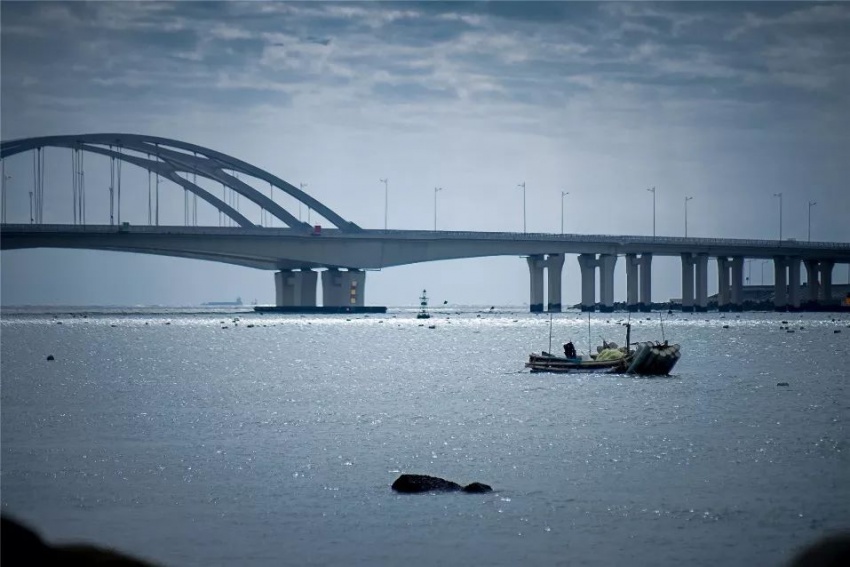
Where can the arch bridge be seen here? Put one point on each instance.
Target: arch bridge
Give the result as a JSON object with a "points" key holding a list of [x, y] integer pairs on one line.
{"points": [[345, 251]]}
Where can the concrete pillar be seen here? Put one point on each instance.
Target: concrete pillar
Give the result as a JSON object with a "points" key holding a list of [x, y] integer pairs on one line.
{"points": [[295, 288], [357, 288], [722, 283], [309, 280], [687, 282], [554, 268], [535, 272], [826, 281], [587, 263], [632, 266], [813, 279], [332, 294], [701, 283], [737, 265], [607, 262], [284, 289], [645, 303], [780, 287], [794, 283]]}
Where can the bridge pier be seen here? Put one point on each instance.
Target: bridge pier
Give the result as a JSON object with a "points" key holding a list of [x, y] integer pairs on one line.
{"points": [[343, 288], [794, 283], [607, 262], [554, 267], [826, 281], [723, 283], [780, 286], [687, 282], [813, 281], [295, 288], [701, 283], [588, 264], [535, 273], [737, 265], [645, 304]]}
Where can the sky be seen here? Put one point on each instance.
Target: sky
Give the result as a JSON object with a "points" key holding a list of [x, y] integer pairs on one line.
{"points": [[728, 103]]}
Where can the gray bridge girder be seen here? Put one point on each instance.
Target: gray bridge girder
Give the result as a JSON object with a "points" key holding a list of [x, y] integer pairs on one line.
{"points": [[270, 248]]}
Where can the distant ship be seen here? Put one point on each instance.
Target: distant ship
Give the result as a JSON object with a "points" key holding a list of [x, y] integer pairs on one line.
{"points": [[236, 303]]}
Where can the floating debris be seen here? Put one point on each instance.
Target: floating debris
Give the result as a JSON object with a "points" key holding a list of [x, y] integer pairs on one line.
{"points": [[50, 357], [782, 384]]}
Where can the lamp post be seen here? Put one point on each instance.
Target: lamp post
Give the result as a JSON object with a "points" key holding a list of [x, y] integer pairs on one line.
{"points": [[436, 189], [686, 215], [811, 204], [780, 214], [523, 205], [652, 190], [386, 199], [300, 186], [563, 194], [31, 219]]}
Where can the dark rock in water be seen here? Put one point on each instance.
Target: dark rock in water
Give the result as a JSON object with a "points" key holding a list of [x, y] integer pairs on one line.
{"points": [[418, 483], [50, 357], [415, 483], [477, 488]]}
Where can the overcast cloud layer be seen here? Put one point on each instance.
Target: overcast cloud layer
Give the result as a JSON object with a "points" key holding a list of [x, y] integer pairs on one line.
{"points": [[726, 102]]}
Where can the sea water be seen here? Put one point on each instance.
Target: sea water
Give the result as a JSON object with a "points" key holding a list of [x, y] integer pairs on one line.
{"points": [[198, 438]]}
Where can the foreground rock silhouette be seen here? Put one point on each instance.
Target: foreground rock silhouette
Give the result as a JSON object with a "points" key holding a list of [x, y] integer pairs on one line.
{"points": [[418, 483], [22, 546]]}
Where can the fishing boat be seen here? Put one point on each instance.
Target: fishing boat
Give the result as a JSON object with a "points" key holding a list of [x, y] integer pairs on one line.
{"points": [[645, 359]]}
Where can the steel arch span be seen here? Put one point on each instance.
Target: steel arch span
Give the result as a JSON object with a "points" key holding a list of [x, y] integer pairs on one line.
{"points": [[169, 158]]}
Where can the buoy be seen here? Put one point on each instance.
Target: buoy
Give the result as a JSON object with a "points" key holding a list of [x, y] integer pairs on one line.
{"points": [[50, 357], [782, 384]]}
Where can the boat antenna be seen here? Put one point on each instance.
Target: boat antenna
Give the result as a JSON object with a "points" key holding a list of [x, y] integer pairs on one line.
{"points": [[661, 317], [550, 332]]}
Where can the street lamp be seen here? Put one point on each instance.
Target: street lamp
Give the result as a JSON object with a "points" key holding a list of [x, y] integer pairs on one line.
{"points": [[652, 190], [300, 186], [31, 219], [436, 189], [523, 205], [386, 199], [563, 194], [686, 215], [811, 204], [780, 214]]}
